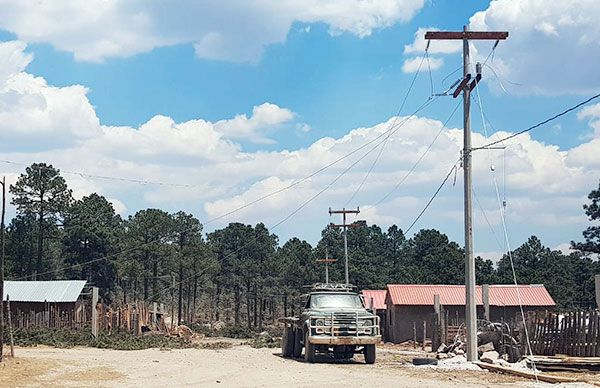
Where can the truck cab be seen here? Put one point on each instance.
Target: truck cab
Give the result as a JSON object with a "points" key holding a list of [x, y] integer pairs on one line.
{"points": [[334, 320]]}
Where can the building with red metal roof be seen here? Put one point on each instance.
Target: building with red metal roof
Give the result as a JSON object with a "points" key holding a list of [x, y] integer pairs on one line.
{"points": [[409, 305], [378, 297]]}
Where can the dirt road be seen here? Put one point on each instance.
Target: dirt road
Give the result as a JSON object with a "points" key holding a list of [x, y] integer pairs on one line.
{"points": [[239, 366]]}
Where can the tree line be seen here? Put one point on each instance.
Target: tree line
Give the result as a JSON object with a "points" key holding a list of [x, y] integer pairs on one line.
{"points": [[243, 273]]}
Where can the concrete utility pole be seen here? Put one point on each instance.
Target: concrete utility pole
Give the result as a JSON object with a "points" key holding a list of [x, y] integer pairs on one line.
{"points": [[344, 225], [326, 260], [3, 183], [466, 86]]}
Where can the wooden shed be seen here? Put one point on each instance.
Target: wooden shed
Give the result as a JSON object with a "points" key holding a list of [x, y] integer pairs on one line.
{"points": [[409, 305], [51, 303]]}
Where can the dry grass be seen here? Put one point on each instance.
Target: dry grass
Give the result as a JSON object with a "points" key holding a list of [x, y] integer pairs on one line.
{"points": [[20, 372]]}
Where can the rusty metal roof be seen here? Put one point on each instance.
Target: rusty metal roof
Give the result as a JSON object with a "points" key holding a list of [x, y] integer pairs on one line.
{"points": [[378, 298], [500, 294], [43, 291]]}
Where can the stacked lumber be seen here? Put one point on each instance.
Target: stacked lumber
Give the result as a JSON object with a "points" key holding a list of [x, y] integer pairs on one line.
{"points": [[565, 363]]}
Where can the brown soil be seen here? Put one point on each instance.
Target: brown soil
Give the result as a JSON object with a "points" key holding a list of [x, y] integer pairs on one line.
{"points": [[237, 366]]}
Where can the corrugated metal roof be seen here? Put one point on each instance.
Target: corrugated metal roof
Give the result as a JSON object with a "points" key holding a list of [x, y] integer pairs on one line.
{"points": [[500, 294], [378, 298], [43, 291]]}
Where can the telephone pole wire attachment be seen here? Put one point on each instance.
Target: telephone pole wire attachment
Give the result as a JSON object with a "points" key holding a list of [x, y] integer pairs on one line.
{"points": [[345, 226]]}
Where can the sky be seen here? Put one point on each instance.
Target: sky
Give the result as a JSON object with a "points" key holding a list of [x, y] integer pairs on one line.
{"points": [[206, 107]]}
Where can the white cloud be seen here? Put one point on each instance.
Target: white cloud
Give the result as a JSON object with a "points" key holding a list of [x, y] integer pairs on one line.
{"points": [[412, 65], [212, 173], [565, 248], [545, 39], [435, 46], [552, 48], [494, 256], [236, 30], [264, 117]]}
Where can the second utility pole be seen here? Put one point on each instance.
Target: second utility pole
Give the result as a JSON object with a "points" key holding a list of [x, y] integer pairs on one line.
{"points": [[466, 86], [344, 225]]}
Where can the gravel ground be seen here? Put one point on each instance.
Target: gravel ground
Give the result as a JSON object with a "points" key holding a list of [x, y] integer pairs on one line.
{"points": [[239, 366]]}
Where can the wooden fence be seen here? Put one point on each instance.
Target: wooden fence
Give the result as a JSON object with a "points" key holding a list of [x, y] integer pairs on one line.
{"points": [[132, 318], [573, 333], [51, 315]]}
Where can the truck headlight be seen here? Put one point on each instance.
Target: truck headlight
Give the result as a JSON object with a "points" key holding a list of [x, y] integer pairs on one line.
{"points": [[319, 322], [367, 322]]}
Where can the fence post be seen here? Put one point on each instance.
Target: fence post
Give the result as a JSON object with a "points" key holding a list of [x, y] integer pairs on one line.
{"points": [[424, 333], [437, 323], [94, 312], [485, 294], [10, 330], [597, 286], [415, 335]]}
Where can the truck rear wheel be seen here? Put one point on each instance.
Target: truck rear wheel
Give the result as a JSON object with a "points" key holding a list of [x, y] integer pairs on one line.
{"points": [[297, 342], [287, 342], [309, 349], [370, 354]]}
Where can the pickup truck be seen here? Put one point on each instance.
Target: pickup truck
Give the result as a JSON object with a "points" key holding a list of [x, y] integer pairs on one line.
{"points": [[334, 321]]}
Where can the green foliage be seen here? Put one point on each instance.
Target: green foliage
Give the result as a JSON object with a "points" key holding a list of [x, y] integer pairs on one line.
{"points": [[241, 273], [83, 337], [592, 233], [91, 232], [41, 194]]}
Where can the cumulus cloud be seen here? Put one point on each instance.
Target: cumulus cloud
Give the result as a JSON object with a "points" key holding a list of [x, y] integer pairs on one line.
{"points": [[264, 117], [235, 30], [201, 167], [412, 65], [435, 47], [545, 38]]}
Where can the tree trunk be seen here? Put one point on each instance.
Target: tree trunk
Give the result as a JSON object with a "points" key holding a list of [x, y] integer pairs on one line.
{"points": [[180, 296], [261, 313], [217, 300], [146, 284], [248, 313], [188, 294], [195, 291], [237, 302], [154, 279], [40, 250], [285, 305], [255, 306]]}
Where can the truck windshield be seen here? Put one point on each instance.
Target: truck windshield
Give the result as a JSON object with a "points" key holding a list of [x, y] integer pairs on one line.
{"points": [[335, 300]]}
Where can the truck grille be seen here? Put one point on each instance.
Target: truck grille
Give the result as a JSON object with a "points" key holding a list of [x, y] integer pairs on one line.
{"points": [[347, 324]]}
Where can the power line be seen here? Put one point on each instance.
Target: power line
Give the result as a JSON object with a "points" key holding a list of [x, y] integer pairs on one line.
{"points": [[391, 125], [453, 169], [546, 121], [426, 103], [414, 166], [106, 177]]}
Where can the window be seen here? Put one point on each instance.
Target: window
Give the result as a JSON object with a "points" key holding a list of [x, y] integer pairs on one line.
{"points": [[323, 301]]}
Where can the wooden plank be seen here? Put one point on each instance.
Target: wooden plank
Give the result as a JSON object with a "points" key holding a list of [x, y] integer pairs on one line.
{"points": [[597, 338], [529, 375], [570, 330], [588, 335], [471, 35]]}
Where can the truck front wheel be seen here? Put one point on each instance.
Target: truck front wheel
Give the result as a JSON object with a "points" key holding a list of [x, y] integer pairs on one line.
{"points": [[309, 349], [297, 335], [370, 354]]}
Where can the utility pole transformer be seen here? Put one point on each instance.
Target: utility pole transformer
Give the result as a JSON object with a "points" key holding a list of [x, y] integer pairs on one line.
{"points": [[467, 84], [344, 225]]}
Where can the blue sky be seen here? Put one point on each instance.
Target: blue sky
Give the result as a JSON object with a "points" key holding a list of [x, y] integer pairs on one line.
{"points": [[323, 74]]}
